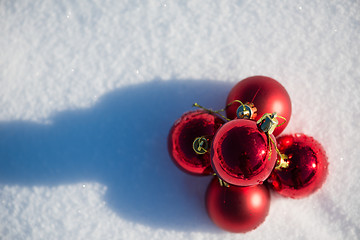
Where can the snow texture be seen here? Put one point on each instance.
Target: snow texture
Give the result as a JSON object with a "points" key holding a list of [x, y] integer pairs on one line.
{"points": [[90, 89]]}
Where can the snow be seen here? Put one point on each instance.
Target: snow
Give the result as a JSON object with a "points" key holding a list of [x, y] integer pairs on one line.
{"points": [[90, 89]]}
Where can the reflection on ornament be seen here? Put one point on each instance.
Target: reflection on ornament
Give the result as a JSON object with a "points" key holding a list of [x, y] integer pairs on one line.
{"points": [[189, 140], [307, 166], [237, 209], [241, 154]]}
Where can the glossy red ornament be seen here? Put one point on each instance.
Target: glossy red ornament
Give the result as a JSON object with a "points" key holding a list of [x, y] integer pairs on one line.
{"points": [[237, 209], [241, 154], [307, 170], [265, 93], [182, 135]]}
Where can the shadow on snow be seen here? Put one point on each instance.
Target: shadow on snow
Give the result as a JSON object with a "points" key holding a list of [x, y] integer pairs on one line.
{"points": [[119, 142]]}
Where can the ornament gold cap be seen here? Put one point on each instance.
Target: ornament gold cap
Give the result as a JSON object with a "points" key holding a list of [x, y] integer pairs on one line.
{"points": [[268, 122], [246, 111], [201, 145], [282, 162]]}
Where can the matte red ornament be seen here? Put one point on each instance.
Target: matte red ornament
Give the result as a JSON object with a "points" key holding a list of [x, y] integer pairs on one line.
{"points": [[189, 140], [241, 154], [237, 209], [307, 166], [266, 94]]}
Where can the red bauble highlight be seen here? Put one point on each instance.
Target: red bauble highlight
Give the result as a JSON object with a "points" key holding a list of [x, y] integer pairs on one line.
{"points": [[237, 209], [307, 170], [181, 137], [265, 93], [240, 153]]}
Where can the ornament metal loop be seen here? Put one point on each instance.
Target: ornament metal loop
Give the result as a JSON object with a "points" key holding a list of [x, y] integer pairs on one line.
{"points": [[201, 145], [222, 182], [217, 112]]}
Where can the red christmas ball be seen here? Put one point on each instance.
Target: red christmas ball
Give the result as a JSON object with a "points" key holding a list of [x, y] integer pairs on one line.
{"points": [[307, 166], [266, 94], [241, 154], [189, 140], [237, 209]]}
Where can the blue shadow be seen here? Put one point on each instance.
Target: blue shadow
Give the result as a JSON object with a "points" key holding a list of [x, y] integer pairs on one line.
{"points": [[119, 142]]}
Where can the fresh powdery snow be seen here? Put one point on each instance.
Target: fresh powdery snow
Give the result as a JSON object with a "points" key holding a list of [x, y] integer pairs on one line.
{"points": [[90, 89]]}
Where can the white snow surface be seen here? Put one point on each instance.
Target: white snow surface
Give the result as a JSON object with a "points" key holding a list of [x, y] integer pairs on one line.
{"points": [[90, 89]]}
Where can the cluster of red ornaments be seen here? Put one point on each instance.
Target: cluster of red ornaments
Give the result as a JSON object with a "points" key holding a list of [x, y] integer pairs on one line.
{"points": [[244, 151]]}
